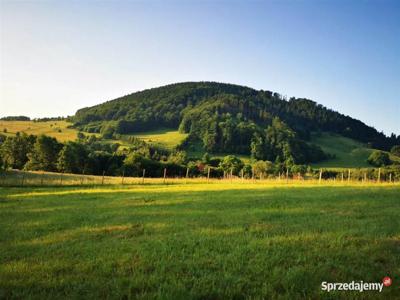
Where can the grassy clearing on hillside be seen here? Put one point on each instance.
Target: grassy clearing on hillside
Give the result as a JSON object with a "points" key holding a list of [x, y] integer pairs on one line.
{"points": [[197, 241], [57, 129], [349, 153], [168, 138]]}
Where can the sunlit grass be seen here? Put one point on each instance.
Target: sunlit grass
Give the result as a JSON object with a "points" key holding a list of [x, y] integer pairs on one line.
{"points": [[168, 138], [193, 239], [56, 129]]}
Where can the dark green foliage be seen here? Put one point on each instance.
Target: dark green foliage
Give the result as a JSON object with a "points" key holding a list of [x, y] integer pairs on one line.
{"points": [[280, 141], [73, 158], [46, 119], [298, 169], [395, 150], [100, 162], [231, 163], [135, 163], [44, 154], [262, 168], [15, 118], [379, 159], [223, 117], [107, 131], [178, 158], [80, 136], [15, 150]]}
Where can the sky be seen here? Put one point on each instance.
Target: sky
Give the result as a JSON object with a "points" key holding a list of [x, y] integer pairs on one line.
{"points": [[59, 56]]}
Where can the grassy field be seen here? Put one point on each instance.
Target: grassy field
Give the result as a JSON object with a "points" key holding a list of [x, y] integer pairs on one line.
{"points": [[57, 129], [349, 153], [197, 241], [168, 138]]}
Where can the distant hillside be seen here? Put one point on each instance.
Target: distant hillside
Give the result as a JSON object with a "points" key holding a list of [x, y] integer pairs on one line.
{"points": [[58, 129], [229, 118], [347, 152]]}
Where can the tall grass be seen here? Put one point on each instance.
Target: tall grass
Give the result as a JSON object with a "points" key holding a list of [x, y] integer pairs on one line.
{"points": [[39, 178]]}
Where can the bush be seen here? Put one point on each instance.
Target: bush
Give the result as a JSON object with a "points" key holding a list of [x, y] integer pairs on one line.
{"points": [[262, 168], [379, 159]]}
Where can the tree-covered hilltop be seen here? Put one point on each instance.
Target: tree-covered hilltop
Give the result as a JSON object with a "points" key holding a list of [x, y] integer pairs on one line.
{"points": [[229, 118]]}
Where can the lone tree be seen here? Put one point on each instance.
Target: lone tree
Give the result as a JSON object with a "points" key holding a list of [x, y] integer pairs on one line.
{"points": [[379, 159]]}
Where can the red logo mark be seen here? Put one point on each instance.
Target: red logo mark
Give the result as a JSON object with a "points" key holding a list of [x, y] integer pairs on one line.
{"points": [[387, 281]]}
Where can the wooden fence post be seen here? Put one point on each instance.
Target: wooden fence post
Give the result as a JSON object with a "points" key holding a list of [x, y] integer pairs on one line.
{"points": [[208, 175], [342, 177], [287, 175], [144, 173], [187, 174], [379, 175], [242, 175], [231, 174], [320, 175], [390, 178], [165, 174], [348, 178]]}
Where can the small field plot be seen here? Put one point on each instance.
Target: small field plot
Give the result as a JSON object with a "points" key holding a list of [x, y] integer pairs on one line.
{"points": [[168, 138], [349, 153], [198, 241], [57, 129]]}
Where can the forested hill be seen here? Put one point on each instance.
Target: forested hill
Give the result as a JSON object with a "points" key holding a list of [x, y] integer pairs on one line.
{"points": [[225, 117]]}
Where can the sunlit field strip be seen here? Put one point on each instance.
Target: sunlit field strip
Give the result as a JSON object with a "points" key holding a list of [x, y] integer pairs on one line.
{"points": [[31, 178]]}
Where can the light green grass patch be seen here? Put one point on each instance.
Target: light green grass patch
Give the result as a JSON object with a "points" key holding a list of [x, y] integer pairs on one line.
{"points": [[168, 138], [57, 129], [192, 241], [349, 153]]}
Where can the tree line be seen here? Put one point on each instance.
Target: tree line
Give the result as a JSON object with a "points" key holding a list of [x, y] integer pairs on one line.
{"points": [[92, 155]]}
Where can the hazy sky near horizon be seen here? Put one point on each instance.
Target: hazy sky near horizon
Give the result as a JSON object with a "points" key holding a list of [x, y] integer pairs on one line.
{"points": [[59, 56]]}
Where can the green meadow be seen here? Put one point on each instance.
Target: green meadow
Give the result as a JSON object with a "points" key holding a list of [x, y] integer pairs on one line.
{"points": [[348, 153], [219, 240]]}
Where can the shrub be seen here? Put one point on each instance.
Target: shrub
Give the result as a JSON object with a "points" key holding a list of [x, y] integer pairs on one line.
{"points": [[379, 159]]}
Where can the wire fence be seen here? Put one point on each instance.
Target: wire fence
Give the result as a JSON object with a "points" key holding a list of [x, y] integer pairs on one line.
{"points": [[16, 178]]}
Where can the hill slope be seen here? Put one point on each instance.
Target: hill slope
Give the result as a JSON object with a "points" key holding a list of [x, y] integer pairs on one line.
{"points": [[347, 152], [57, 129], [229, 118]]}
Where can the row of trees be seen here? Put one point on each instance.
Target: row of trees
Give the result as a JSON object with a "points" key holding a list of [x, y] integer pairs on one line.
{"points": [[89, 155]]}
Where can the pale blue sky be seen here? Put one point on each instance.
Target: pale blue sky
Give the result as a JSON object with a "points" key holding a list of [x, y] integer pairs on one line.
{"points": [[59, 56]]}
